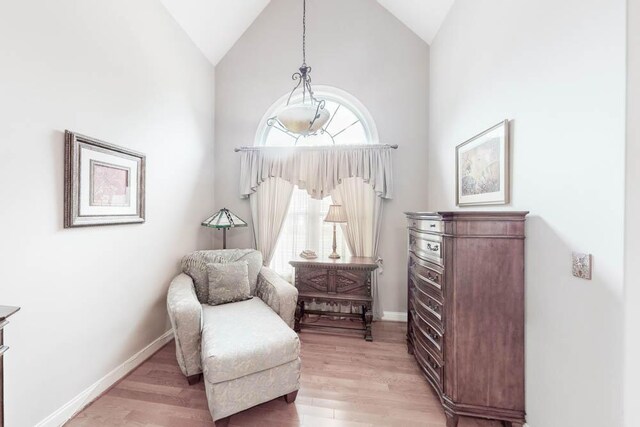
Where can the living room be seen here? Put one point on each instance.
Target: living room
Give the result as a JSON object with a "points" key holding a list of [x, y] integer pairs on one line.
{"points": [[484, 150]]}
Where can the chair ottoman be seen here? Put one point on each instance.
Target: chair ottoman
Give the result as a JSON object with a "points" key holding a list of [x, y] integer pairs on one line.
{"points": [[249, 356]]}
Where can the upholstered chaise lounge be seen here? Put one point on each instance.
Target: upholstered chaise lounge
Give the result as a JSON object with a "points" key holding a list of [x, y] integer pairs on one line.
{"points": [[246, 351]]}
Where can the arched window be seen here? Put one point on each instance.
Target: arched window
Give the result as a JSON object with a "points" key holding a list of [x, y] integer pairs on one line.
{"points": [[304, 227]]}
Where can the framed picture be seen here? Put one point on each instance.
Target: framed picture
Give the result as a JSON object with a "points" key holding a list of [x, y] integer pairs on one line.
{"points": [[103, 183], [482, 168]]}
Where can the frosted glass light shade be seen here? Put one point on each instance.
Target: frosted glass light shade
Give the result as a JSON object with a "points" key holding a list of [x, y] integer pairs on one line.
{"points": [[336, 214], [297, 118]]}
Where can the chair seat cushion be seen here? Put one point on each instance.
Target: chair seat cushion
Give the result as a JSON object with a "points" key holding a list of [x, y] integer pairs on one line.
{"points": [[243, 338]]}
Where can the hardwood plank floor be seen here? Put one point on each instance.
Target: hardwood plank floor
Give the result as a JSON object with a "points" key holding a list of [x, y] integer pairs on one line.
{"points": [[345, 382]]}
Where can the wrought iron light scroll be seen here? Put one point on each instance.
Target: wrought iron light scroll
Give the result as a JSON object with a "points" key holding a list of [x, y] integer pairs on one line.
{"points": [[309, 115]]}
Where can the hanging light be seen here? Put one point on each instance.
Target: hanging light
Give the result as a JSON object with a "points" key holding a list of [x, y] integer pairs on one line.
{"points": [[308, 115]]}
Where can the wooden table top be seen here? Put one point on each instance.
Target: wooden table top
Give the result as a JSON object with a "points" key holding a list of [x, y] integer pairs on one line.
{"points": [[349, 261], [6, 311]]}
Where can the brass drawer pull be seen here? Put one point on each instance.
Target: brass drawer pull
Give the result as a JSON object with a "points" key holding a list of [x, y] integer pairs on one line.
{"points": [[434, 248]]}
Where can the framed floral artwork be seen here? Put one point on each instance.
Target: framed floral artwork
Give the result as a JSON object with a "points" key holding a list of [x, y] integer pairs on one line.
{"points": [[103, 184], [482, 168]]}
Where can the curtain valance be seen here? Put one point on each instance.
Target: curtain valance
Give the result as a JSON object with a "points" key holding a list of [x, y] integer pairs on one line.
{"points": [[317, 169]]}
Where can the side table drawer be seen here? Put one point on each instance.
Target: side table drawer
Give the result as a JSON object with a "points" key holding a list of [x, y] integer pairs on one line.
{"points": [[312, 279], [351, 282]]}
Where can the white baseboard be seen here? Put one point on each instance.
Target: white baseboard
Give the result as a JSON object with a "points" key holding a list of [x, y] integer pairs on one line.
{"points": [[394, 316], [75, 405]]}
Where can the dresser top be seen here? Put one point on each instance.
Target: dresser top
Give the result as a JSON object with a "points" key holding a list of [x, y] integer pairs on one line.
{"points": [[470, 215], [349, 261], [6, 311]]}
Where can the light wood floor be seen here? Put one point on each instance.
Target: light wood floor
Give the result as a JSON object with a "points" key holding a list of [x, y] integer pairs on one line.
{"points": [[345, 381]]}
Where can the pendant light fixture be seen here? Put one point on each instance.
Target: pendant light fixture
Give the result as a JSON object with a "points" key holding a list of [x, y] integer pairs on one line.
{"points": [[307, 114]]}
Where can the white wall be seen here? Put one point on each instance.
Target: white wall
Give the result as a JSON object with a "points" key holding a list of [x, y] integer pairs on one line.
{"points": [[632, 230], [357, 46], [122, 71], [557, 69]]}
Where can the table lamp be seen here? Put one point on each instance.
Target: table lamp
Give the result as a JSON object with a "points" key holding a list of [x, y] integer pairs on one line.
{"points": [[335, 215], [224, 219]]}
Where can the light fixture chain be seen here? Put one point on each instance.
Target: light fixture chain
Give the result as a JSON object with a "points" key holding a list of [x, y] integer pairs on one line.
{"points": [[304, 32]]}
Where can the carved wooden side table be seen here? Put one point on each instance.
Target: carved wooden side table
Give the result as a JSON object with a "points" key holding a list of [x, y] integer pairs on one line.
{"points": [[343, 281], [5, 312]]}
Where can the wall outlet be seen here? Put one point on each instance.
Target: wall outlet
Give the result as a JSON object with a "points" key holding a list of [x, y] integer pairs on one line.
{"points": [[582, 265]]}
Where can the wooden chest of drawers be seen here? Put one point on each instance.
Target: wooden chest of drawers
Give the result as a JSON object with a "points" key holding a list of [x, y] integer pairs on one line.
{"points": [[466, 310]]}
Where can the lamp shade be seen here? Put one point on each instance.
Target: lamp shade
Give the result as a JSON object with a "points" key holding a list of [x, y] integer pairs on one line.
{"points": [[303, 119], [224, 218], [336, 214]]}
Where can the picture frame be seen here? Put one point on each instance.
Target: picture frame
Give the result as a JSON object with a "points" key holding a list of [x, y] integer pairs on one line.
{"points": [[104, 184], [483, 168]]}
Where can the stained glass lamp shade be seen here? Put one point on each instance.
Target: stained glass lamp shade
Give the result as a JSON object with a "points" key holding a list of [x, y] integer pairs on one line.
{"points": [[224, 219]]}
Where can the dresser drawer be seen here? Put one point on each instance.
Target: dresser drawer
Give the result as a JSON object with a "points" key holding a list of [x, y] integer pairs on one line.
{"points": [[427, 279], [429, 364], [426, 246], [430, 335], [432, 226], [429, 305]]}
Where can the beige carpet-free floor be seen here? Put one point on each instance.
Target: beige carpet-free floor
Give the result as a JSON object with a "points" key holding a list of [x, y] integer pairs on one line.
{"points": [[346, 381]]}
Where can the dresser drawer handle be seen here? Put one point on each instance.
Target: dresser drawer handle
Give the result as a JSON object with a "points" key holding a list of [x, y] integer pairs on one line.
{"points": [[433, 306], [434, 248], [432, 362], [432, 277], [432, 225]]}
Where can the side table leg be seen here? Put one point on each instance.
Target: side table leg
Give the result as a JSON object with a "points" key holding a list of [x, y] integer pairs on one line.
{"points": [[368, 318], [298, 315]]}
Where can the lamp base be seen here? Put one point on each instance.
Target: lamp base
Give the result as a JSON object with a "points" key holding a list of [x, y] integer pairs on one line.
{"points": [[334, 255]]}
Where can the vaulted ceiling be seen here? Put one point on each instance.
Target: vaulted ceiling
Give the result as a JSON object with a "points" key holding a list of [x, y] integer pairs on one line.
{"points": [[424, 17], [215, 25]]}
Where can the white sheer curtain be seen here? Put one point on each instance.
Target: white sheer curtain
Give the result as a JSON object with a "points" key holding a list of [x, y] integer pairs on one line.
{"points": [[362, 230], [269, 205], [304, 228]]}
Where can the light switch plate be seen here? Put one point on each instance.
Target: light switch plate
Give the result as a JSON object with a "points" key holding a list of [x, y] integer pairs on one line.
{"points": [[582, 265]]}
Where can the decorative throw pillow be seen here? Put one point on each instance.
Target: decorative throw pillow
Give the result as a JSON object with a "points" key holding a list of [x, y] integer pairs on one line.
{"points": [[228, 282]]}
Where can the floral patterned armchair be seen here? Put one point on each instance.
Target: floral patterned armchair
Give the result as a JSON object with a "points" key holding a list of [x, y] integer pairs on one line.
{"points": [[246, 351]]}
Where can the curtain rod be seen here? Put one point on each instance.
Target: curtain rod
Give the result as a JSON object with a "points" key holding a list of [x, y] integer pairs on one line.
{"points": [[306, 147]]}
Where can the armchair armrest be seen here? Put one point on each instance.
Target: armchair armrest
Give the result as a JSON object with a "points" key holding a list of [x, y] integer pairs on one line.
{"points": [[278, 294], [185, 313]]}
